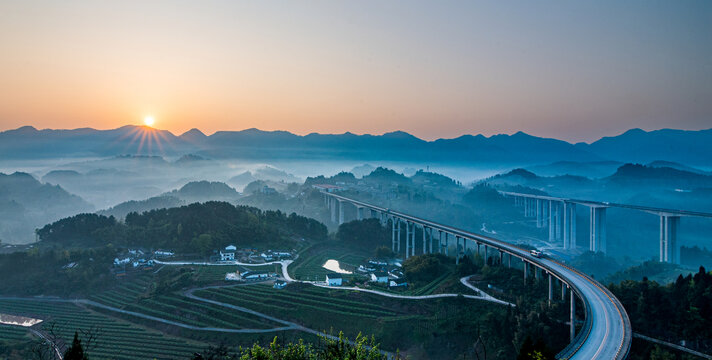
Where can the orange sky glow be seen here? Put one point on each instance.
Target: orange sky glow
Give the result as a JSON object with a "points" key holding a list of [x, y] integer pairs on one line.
{"points": [[435, 71]]}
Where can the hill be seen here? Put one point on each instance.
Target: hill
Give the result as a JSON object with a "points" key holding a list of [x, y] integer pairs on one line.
{"points": [[595, 169], [193, 228], [26, 203], [639, 146], [201, 191], [636, 175], [158, 202]]}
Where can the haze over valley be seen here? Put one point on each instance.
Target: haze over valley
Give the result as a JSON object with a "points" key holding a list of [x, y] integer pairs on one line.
{"points": [[396, 180]]}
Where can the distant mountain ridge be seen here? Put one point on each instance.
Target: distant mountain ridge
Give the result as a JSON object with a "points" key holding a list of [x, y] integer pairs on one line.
{"points": [[685, 147]]}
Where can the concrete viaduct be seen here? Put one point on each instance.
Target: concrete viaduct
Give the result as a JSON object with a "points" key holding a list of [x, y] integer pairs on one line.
{"points": [[559, 215], [606, 331]]}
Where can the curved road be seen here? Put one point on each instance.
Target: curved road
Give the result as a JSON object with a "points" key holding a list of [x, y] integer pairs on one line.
{"points": [[285, 274], [609, 335]]}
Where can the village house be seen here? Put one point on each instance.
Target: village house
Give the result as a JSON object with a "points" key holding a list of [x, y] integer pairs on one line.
{"points": [[334, 279], [379, 277], [257, 275], [228, 254], [398, 283], [163, 253]]}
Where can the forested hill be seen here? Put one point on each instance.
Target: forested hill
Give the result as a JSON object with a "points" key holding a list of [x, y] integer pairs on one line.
{"points": [[193, 228], [680, 311], [26, 203]]}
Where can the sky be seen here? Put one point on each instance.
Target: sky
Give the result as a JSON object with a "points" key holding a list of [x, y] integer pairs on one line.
{"points": [[570, 70]]}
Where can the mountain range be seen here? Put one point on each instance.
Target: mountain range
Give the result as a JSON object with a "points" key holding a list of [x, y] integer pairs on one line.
{"points": [[636, 145]]}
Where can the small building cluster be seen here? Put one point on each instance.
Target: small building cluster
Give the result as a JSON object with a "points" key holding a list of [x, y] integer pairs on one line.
{"points": [[376, 271], [243, 274], [327, 187], [275, 255], [249, 255], [133, 259], [163, 254]]}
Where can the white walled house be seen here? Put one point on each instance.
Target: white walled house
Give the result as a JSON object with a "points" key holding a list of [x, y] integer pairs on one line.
{"points": [[227, 255], [334, 279], [380, 277]]}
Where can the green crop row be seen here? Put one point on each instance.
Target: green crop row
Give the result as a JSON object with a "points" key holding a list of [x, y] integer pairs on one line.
{"points": [[296, 298], [316, 295]]}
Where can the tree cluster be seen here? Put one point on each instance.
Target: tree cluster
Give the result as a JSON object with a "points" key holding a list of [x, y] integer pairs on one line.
{"points": [[339, 348], [680, 311], [198, 227]]}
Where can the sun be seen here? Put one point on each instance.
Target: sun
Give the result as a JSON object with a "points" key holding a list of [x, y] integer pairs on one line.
{"points": [[149, 120]]}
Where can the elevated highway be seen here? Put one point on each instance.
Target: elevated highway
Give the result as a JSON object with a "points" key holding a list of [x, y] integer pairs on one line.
{"points": [[606, 333], [559, 215]]}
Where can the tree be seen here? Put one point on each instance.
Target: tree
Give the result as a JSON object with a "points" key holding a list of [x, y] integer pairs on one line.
{"points": [[534, 350], [75, 351], [424, 268], [383, 252]]}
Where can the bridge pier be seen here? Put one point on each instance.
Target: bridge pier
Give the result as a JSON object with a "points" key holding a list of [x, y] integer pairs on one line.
{"points": [[447, 244], [359, 213], [393, 235], [341, 212], [567, 221], [398, 242], [572, 329], [407, 239], [412, 241], [430, 234], [557, 218], [457, 250], [569, 230], [552, 223], [440, 242], [509, 259], [563, 291], [669, 251], [501, 258], [572, 226], [485, 254], [425, 241], [551, 288], [598, 229], [332, 207], [526, 270], [539, 213]]}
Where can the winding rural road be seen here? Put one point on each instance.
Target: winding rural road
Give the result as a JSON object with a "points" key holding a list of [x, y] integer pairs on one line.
{"points": [[285, 274]]}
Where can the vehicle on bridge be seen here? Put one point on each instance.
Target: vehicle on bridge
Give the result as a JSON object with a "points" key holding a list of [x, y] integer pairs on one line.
{"points": [[535, 253]]}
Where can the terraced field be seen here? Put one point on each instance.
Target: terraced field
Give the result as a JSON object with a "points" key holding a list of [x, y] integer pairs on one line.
{"points": [[129, 291], [133, 296], [317, 308], [197, 313], [10, 334], [308, 298], [116, 339], [211, 274]]}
